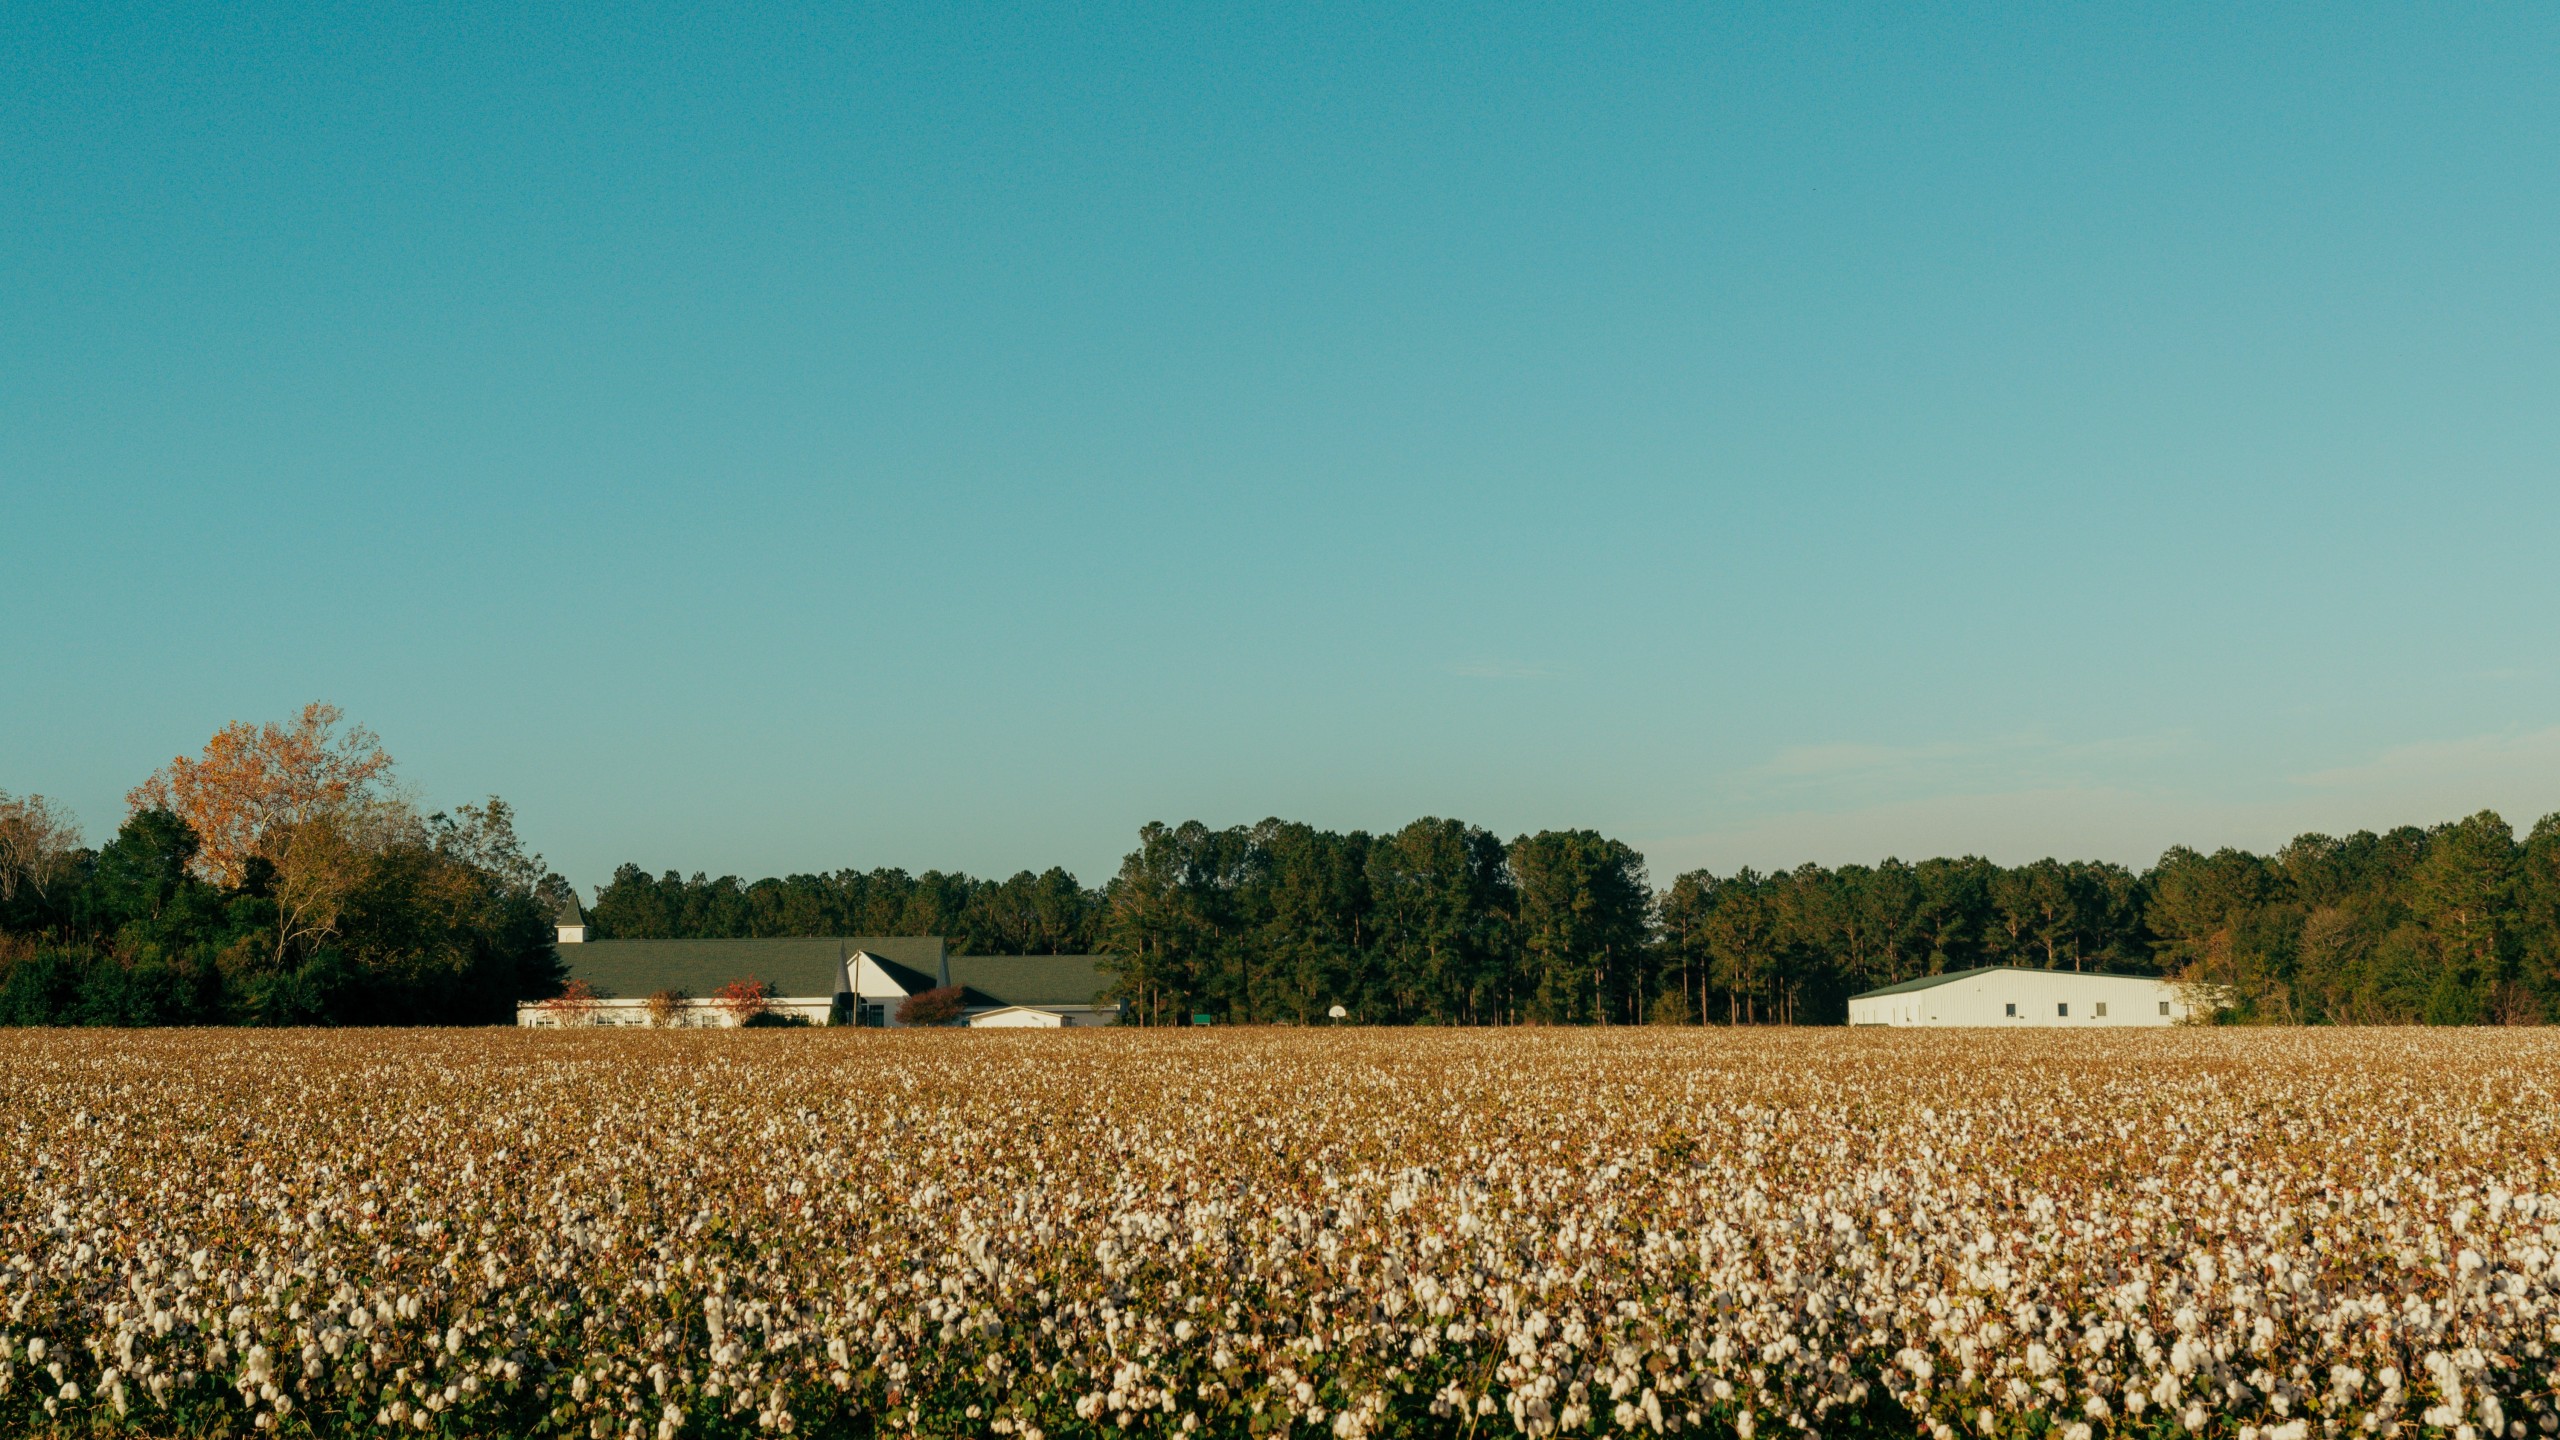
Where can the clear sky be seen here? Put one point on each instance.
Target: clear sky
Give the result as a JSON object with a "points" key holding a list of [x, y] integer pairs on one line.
{"points": [[760, 439]]}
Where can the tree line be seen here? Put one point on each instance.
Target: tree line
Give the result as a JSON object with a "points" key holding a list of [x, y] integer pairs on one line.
{"points": [[1044, 914], [280, 878], [1442, 922]]}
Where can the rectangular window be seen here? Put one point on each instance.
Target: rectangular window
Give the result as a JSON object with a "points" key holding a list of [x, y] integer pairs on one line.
{"points": [[2102, 1010], [2063, 1009], [2164, 1007], [2013, 1011]]}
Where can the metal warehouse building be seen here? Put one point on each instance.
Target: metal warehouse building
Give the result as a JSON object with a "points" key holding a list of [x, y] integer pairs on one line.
{"points": [[2004, 995]]}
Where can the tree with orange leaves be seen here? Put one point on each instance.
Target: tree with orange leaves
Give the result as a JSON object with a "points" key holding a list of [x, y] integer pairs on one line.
{"points": [[576, 1004], [743, 1000], [257, 786]]}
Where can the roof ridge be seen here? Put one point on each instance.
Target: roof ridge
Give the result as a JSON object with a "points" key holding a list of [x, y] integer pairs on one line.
{"points": [[1931, 982]]}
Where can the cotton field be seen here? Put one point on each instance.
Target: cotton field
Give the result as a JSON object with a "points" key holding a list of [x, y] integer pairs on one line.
{"points": [[2269, 1236]]}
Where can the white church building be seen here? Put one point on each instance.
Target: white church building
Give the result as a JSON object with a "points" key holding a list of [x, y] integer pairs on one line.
{"points": [[841, 980], [2009, 996]]}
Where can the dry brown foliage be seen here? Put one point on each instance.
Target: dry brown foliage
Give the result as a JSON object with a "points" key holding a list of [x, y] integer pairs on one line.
{"points": [[38, 840], [253, 783]]}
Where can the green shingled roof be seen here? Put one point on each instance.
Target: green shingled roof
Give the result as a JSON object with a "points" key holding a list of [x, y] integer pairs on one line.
{"points": [[796, 967], [1031, 979], [806, 967], [907, 978]]}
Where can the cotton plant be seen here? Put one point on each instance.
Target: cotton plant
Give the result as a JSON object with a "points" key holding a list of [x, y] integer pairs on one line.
{"points": [[2263, 1236]]}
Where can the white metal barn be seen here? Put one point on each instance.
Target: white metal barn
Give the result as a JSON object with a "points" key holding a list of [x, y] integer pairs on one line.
{"points": [[2005, 995]]}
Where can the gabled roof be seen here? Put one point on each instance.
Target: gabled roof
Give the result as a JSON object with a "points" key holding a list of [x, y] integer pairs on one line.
{"points": [[795, 967], [909, 979], [805, 967], [1931, 982], [1030, 979]]}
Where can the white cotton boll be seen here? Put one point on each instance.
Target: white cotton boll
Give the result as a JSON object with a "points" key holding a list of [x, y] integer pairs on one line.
{"points": [[2193, 1420]]}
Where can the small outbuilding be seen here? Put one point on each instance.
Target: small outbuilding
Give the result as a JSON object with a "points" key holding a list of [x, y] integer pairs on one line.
{"points": [[1034, 1017], [2008, 995]]}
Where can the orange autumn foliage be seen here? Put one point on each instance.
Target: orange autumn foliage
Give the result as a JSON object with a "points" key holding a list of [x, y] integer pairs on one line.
{"points": [[744, 1000], [255, 782]]}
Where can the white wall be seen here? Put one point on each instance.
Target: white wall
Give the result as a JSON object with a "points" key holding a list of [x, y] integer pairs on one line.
{"points": [[2050, 999], [1017, 1017], [866, 980], [698, 1015], [1043, 1017]]}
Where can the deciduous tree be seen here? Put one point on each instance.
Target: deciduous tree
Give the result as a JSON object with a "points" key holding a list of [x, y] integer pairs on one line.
{"points": [[254, 782], [39, 845]]}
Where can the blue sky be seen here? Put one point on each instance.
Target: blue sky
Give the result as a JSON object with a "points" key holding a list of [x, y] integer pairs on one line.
{"points": [[763, 439]]}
